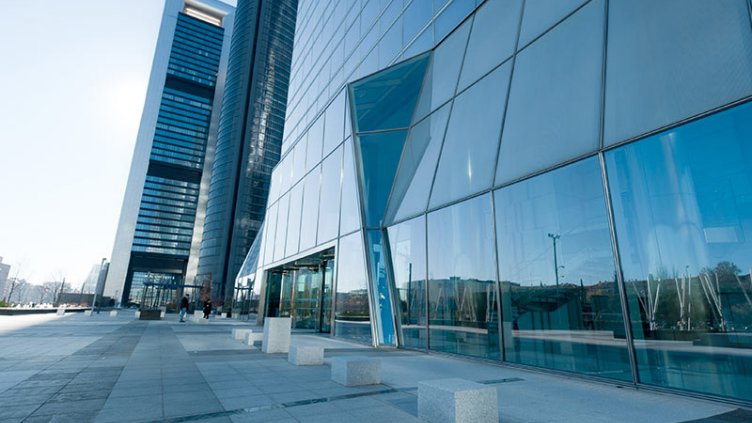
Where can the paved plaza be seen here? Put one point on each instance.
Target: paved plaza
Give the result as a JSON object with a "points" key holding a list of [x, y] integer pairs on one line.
{"points": [[75, 368]]}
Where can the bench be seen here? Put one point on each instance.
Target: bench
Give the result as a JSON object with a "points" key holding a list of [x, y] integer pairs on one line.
{"points": [[356, 370], [240, 334], [306, 355], [457, 401], [276, 335]]}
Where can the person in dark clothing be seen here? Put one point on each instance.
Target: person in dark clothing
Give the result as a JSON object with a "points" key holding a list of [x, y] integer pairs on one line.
{"points": [[207, 309], [184, 307]]}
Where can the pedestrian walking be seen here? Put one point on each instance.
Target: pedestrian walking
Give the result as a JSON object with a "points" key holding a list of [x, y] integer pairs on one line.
{"points": [[207, 309], [184, 303]]}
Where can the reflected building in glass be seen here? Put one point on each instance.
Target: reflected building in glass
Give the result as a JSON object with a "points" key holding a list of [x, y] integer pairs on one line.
{"points": [[521, 182], [161, 222]]}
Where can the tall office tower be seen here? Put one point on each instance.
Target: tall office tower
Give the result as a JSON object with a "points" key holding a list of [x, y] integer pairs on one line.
{"points": [[522, 181], [161, 221], [249, 137], [4, 273]]}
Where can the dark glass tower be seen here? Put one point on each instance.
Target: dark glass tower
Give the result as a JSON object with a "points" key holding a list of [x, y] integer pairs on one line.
{"points": [[249, 137]]}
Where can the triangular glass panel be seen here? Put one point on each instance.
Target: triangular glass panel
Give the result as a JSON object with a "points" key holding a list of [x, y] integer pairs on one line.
{"points": [[386, 100], [417, 167]]}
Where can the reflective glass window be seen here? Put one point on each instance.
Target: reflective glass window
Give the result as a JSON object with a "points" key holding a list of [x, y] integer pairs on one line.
{"points": [[386, 100], [298, 168], [540, 15], [294, 219], [555, 98], [350, 214], [334, 123], [492, 38], [310, 209], [379, 155], [351, 310], [315, 143], [282, 225], [451, 16], [331, 176], [416, 16], [407, 242], [390, 44], [468, 156], [698, 52], [559, 297], [682, 202], [417, 166], [441, 80], [462, 303]]}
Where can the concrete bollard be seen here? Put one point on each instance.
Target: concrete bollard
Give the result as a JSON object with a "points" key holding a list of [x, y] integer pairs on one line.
{"points": [[356, 370], [457, 401], [276, 335], [306, 356]]}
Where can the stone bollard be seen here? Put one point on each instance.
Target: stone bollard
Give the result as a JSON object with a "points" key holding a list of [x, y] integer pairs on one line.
{"points": [[137, 314], [113, 313], [252, 337], [306, 356], [240, 334], [356, 370], [87, 313], [60, 312], [276, 335], [457, 401]]}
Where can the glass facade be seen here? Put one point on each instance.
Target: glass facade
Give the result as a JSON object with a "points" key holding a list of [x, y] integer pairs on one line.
{"points": [[511, 217]]}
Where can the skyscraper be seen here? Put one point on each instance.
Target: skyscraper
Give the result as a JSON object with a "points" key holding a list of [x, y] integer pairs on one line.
{"points": [[249, 136], [559, 185], [161, 221]]}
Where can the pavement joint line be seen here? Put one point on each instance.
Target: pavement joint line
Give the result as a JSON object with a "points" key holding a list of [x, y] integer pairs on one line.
{"points": [[238, 411]]}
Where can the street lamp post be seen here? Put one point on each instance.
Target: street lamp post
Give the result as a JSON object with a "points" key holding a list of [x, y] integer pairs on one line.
{"points": [[554, 238]]}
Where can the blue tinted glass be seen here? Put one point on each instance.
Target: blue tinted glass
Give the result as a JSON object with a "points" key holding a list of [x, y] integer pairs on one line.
{"points": [[468, 156], [390, 44], [282, 224], [682, 204], [699, 53], [492, 38], [451, 16], [407, 243], [387, 99], [379, 155], [380, 287], [416, 16], [560, 300], [441, 79], [555, 99], [330, 190], [315, 140], [541, 15], [351, 309], [350, 214], [462, 305], [294, 219], [335, 123], [417, 166], [310, 209]]}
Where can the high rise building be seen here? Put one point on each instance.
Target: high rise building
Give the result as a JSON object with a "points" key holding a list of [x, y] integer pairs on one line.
{"points": [[4, 273], [249, 137], [161, 222], [559, 185]]}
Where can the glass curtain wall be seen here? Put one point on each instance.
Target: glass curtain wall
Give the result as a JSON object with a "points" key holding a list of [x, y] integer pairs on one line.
{"points": [[682, 203]]}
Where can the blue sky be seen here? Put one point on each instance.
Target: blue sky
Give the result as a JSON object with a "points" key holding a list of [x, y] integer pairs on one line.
{"points": [[73, 83]]}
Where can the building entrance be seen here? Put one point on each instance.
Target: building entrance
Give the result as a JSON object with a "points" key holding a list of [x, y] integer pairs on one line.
{"points": [[302, 290]]}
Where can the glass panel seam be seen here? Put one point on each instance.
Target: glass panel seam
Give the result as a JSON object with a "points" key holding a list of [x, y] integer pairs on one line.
{"points": [[619, 275], [551, 28], [499, 318]]}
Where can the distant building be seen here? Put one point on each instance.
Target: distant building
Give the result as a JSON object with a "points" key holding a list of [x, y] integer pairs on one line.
{"points": [[249, 137], [161, 220], [4, 272]]}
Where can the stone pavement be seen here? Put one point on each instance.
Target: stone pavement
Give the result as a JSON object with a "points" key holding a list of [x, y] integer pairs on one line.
{"points": [[75, 368]]}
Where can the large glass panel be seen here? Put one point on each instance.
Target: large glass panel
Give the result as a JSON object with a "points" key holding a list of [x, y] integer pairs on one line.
{"points": [[293, 221], [384, 318], [540, 15], [298, 168], [699, 54], [407, 243], [682, 204], [441, 79], [391, 43], [560, 300], [492, 38], [386, 100], [350, 214], [351, 311], [334, 123], [468, 156], [462, 304], [270, 234], [418, 166], [310, 209], [379, 155], [555, 98], [315, 143], [282, 224], [416, 16], [452, 15], [331, 176]]}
